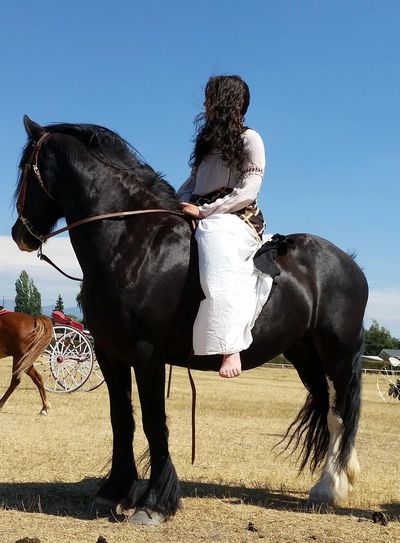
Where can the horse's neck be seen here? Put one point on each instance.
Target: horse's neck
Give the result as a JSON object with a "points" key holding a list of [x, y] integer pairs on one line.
{"points": [[101, 192]]}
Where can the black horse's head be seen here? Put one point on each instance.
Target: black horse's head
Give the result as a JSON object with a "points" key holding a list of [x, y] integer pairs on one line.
{"points": [[78, 171], [38, 209]]}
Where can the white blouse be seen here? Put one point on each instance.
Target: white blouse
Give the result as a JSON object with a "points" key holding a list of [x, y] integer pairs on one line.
{"points": [[214, 174]]}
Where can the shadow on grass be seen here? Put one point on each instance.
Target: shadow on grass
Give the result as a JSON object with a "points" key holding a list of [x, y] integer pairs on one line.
{"points": [[77, 499]]}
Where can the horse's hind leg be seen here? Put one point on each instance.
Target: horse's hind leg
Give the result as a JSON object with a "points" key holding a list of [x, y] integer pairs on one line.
{"points": [[342, 365], [15, 381], [37, 379], [309, 431]]}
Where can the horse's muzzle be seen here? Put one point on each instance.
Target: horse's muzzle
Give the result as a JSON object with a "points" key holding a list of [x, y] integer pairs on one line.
{"points": [[24, 240]]}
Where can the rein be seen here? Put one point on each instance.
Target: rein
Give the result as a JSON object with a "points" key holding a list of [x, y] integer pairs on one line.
{"points": [[114, 215], [117, 214]]}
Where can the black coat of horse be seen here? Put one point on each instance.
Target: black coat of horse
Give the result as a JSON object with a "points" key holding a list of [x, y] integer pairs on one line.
{"points": [[141, 295]]}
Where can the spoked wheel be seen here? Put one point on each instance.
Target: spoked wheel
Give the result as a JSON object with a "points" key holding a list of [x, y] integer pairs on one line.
{"points": [[96, 377], [388, 383], [66, 364]]}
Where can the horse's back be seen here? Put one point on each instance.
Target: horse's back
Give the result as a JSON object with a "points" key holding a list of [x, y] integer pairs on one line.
{"points": [[330, 278], [320, 287], [16, 330]]}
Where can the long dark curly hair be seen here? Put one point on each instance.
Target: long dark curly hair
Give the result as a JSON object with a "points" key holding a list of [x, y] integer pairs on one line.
{"points": [[220, 127]]}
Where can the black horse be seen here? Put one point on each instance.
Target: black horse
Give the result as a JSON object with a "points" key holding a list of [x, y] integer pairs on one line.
{"points": [[141, 295]]}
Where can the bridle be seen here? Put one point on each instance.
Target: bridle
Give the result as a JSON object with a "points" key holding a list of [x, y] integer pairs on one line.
{"points": [[33, 164]]}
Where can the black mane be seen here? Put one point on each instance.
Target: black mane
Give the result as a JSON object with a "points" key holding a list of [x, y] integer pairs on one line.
{"points": [[102, 142], [113, 151]]}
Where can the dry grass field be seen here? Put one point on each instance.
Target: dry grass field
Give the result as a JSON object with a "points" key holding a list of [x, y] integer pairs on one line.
{"points": [[50, 467]]}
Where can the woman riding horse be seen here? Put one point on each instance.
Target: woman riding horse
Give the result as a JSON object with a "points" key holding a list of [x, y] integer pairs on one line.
{"points": [[227, 168]]}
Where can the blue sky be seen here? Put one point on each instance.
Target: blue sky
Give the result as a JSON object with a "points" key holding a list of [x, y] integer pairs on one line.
{"points": [[324, 78]]}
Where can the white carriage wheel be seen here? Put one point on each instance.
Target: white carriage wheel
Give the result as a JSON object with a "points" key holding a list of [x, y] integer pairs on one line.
{"points": [[67, 362], [388, 383], [96, 377]]}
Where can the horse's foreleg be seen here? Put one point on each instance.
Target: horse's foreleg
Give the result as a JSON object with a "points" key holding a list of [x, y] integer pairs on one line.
{"points": [[15, 381], [37, 379], [162, 497], [121, 486]]}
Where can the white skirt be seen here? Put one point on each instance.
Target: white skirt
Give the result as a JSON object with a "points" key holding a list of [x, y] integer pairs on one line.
{"points": [[235, 291]]}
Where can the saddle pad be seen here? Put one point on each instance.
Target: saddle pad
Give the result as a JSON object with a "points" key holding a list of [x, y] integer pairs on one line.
{"points": [[264, 259]]}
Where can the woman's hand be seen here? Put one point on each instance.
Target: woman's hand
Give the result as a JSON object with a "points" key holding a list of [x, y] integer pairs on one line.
{"points": [[192, 210]]}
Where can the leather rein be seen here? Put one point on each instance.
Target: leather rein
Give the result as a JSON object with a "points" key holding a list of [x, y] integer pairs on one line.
{"points": [[33, 164]]}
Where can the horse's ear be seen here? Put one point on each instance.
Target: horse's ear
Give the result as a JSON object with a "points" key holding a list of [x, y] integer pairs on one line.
{"points": [[33, 129]]}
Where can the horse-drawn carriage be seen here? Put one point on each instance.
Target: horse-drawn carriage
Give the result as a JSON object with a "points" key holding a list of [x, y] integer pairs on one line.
{"points": [[388, 381], [68, 363]]}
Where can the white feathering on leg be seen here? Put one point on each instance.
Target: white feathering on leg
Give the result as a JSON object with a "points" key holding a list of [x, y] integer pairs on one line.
{"points": [[334, 486]]}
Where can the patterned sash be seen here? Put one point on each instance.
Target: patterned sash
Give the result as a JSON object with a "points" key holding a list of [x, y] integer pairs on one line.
{"points": [[250, 214]]}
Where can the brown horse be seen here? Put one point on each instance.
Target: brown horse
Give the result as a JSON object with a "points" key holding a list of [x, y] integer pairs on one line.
{"points": [[24, 338]]}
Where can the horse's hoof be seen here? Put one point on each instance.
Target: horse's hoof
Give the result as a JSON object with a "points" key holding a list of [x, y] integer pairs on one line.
{"points": [[43, 413], [121, 509], [145, 516]]}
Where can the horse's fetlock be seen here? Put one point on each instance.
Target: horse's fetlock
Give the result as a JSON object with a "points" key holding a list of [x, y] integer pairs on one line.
{"points": [[331, 489]]}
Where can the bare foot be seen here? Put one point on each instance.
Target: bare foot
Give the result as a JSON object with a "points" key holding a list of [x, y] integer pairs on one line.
{"points": [[231, 365]]}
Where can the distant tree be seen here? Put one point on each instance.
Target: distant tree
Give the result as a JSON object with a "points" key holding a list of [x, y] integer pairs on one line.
{"points": [[22, 302], [59, 304], [36, 300], [27, 299], [378, 338]]}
